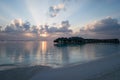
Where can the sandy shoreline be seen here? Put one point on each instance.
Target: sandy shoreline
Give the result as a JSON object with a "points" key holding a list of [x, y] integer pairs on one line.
{"points": [[88, 71], [22, 73], [102, 69], [113, 75]]}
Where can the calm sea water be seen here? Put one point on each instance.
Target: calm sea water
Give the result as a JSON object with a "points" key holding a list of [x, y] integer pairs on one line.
{"points": [[31, 53]]}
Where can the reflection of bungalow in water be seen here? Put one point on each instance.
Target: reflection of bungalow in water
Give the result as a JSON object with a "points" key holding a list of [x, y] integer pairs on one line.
{"points": [[80, 40]]}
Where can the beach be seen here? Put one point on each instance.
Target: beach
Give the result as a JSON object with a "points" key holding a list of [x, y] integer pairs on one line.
{"points": [[22, 73], [113, 75], [107, 68]]}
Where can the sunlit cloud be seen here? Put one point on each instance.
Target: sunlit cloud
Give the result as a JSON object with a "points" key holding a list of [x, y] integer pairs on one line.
{"points": [[19, 28], [16, 22]]}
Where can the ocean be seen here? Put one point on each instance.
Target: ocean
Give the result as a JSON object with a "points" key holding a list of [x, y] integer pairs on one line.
{"points": [[33, 53]]}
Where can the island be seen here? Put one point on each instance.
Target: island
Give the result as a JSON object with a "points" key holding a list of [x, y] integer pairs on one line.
{"points": [[80, 40]]}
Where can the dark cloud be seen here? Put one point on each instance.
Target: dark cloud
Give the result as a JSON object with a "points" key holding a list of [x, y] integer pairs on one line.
{"points": [[106, 27], [54, 29], [10, 28], [26, 26]]}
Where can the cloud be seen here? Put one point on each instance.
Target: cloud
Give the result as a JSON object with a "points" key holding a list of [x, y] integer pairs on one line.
{"points": [[54, 10], [17, 25], [17, 22], [54, 29], [107, 27], [20, 30], [26, 26]]}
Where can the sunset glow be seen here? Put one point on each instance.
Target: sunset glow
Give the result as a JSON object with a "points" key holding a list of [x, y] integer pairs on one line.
{"points": [[44, 34], [49, 39], [47, 18]]}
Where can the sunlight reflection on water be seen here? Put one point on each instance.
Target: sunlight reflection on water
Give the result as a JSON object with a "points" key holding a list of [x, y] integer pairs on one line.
{"points": [[32, 53]]}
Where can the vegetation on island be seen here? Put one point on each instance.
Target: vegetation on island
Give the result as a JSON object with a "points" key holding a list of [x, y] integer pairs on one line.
{"points": [[80, 40]]}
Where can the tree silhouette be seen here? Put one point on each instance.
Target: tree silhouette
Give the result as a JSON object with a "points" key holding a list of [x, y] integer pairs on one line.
{"points": [[80, 40]]}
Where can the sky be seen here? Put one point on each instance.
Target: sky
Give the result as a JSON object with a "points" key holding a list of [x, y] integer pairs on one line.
{"points": [[86, 18]]}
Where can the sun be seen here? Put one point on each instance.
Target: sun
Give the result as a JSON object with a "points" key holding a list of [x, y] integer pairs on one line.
{"points": [[44, 34]]}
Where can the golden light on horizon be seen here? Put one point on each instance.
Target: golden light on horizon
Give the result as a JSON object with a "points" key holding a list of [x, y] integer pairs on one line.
{"points": [[28, 34], [44, 34]]}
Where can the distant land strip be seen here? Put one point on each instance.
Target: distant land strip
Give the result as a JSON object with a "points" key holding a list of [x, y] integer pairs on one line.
{"points": [[80, 40]]}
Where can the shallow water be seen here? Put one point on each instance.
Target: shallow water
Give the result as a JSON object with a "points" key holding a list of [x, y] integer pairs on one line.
{"points": [[31, 53]]}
